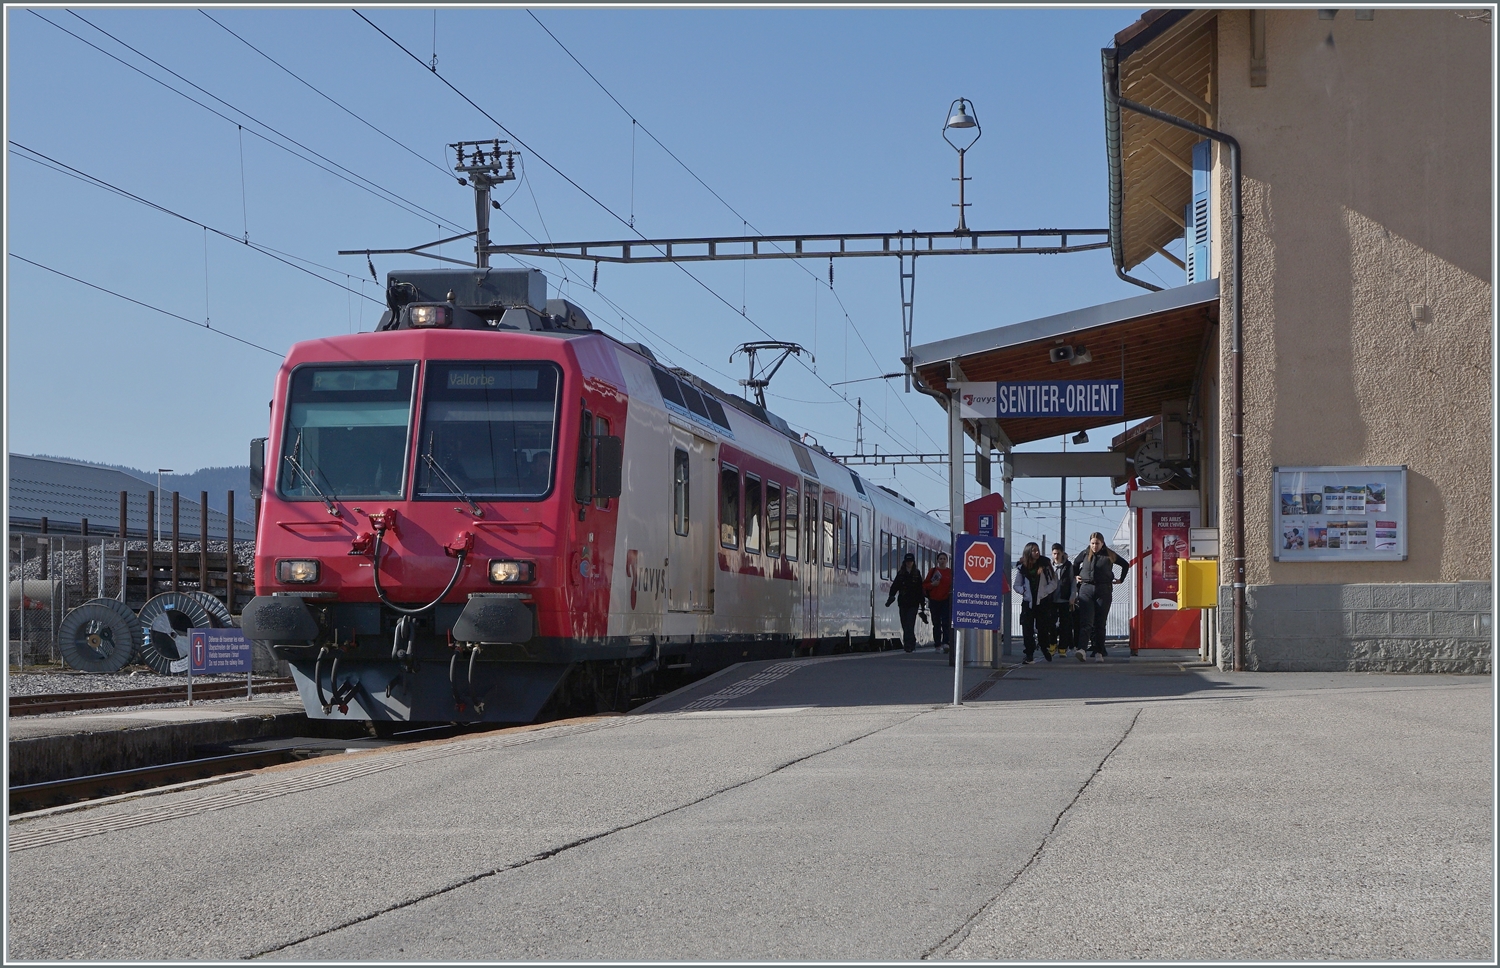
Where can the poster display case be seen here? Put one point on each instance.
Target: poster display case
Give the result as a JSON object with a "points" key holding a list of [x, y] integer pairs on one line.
{"points": [[1339, 514]]}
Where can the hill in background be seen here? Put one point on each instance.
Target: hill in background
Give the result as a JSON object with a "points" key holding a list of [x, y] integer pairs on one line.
{"points": [[217, 481]]}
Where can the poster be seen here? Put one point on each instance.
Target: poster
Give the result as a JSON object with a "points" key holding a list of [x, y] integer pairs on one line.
{"points": [[1169, 542], [1340, 514]]}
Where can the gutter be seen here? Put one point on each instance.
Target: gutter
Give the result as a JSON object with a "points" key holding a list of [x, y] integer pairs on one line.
{"points": [[1113, 103], [1116, 179]]}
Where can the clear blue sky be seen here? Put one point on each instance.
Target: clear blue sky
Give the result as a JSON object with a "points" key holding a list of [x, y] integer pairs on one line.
{"points": [[808, 120]]}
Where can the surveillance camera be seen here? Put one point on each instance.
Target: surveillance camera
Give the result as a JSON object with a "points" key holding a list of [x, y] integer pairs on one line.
{"points": [[1061, 354]]}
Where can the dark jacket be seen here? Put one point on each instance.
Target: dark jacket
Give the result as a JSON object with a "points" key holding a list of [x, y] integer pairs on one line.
{"points": [[1065, 574], [906, 589], [1098, 570]]}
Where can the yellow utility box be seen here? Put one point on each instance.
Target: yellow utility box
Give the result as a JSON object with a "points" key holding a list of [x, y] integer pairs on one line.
{"points": [[1198, 583]]}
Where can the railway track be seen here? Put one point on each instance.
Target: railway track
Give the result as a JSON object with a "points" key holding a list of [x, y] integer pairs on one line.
{"points": [[73, 701], [52, 793], [35, 796]]}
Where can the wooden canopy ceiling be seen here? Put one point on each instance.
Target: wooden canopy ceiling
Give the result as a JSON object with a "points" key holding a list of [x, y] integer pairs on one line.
{"points": [[1174, 72], [1158, 353]]}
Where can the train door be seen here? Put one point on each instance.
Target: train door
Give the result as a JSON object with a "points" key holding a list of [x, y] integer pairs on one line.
{"points": [[865, 548], [811, 570], [690, 573]]}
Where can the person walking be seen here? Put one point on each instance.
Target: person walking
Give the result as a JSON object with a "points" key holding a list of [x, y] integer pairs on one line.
{"points": [[938, 587], [1094, 583], [1061, 625], [1033, 577], [906, 592]]}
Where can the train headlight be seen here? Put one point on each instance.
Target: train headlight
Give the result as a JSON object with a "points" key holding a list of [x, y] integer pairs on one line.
{"points": [[428, 316], [506, 572], [297, 571]]}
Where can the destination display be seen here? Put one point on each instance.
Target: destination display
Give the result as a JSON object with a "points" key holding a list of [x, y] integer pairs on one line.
{"points": [[1340, 514], [1042, 398]]}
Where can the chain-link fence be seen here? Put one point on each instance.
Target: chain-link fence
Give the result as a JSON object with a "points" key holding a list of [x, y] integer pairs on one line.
{"points": [[50, 574]]}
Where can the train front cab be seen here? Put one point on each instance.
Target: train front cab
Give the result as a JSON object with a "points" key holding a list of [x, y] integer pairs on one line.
{"points": [[477, 471]]}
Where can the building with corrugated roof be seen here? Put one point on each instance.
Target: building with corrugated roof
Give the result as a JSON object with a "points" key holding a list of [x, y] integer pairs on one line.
{"points": [[66, 493]]}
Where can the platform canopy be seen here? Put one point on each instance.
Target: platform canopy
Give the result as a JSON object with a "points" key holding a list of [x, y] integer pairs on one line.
{"points": [[1155, 343]]}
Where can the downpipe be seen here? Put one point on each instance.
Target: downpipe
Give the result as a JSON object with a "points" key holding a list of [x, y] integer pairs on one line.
{"points": [[1236, 314]]}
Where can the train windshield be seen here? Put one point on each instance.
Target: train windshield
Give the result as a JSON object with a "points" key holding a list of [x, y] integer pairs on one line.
{"points": [[346, 432], [488, 430]]}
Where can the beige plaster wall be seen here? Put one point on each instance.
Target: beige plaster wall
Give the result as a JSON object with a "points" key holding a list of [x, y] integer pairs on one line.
{"points": [[1367, 173]]}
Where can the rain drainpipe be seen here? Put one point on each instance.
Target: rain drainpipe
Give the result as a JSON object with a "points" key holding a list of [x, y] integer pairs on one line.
{"points": [[1236, 315]]}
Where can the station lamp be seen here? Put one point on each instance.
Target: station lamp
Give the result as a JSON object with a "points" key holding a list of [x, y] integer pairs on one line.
{"points": [[961, 116]]}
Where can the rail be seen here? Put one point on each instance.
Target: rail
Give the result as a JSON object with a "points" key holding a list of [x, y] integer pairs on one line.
{"points": [[74, 701], [35, 796]]}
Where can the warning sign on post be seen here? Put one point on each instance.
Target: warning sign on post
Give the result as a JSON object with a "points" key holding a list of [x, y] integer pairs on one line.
{"points": [[213, 651], [978, 581]]}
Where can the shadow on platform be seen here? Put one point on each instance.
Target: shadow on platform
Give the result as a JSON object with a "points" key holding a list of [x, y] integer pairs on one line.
{"points": [[925, 678]]}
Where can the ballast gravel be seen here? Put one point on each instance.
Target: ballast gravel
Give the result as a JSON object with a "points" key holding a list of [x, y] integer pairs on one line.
{"points": [[50, 683]]}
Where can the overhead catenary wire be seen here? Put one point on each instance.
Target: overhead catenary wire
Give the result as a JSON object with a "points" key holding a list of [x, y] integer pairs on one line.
{"points": [[589, 195], [635, 122], [63, 168], [628, 321], [352, 178], [146, 305], [243, 112]]}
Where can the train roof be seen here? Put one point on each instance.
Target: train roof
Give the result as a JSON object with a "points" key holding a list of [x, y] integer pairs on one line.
{"points": [[511, 300]]}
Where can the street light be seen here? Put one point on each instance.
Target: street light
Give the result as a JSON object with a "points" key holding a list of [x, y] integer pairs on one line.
{"points": [[961, 115], [159, 472]]}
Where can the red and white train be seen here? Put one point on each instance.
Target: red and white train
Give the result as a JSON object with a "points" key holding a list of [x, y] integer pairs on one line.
{"points": [[486, 509]]}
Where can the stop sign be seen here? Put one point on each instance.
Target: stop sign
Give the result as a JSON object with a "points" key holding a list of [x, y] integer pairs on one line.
{"points": [[979, 562]]}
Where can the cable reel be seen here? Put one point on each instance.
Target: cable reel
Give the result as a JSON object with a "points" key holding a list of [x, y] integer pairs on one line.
{"points": [[101, 635]]}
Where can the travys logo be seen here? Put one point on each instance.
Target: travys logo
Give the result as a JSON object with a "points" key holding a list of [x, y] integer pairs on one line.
{"points": [[974, 400], [643, 580], [979, 562]]}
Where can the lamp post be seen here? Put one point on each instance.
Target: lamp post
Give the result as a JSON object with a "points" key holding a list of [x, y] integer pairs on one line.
{"points": [[159, 472], [961, 115]]}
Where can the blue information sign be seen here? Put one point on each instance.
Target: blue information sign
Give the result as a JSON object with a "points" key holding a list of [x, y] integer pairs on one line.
{"points": [[1043, 398], [213, 651], [978, 581]]}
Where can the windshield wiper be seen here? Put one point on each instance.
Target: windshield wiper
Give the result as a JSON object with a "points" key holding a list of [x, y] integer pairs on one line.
{"points": [[432, 463], [308, 477]]}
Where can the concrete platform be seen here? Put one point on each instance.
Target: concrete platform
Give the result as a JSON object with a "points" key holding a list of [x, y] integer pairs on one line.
{"points": [[828, 809]]}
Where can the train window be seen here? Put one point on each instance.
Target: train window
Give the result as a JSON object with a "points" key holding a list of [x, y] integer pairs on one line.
{"points": [[601, 429], [828, 535], [773, 519], [671, 392], [489, 430], [810, 523], [583, 480], [729, 506], [716, 411], [752, 514], [347, 429], [792, 525], [887, 554], [694, 400], [841, 539], [680, 491], [854, 541]]}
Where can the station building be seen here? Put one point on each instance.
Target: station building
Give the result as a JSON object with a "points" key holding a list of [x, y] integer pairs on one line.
{"points": [[1324, 182]]}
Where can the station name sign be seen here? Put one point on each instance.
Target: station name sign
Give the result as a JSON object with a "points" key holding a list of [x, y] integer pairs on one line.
{"points": [[1043, 398]]}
